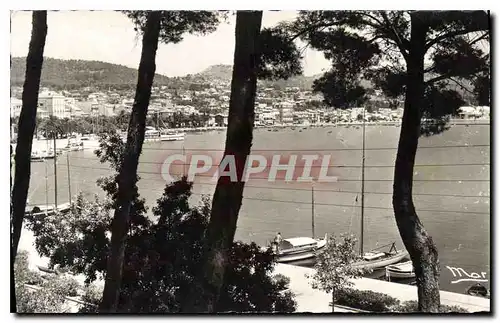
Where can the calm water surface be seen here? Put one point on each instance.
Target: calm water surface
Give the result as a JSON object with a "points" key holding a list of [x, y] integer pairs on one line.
{"points": [[452, 200]]}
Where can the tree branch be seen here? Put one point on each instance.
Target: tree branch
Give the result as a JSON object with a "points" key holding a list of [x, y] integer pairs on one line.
{"points": [[380, 24], [450, 34], [483, 36], [313, 27], [439, 78], [462, 86], [429, 69], [402, 44]]}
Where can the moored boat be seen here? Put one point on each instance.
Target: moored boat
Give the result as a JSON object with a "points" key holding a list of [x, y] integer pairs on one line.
{"points": [[38, 156], [89, 142], [299, 248], [400, 270], [377, 259], [151, 134], [47, 209], [172, 136]]}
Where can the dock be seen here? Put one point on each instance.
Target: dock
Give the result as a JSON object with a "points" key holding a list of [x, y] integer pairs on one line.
{"points": [[315, 301]]}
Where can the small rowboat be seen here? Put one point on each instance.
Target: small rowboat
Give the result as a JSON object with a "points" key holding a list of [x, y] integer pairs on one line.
{"points": [[401, 270]]}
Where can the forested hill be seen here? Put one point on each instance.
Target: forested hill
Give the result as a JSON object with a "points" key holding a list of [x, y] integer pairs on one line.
{"points": [[61, 74], [58, 73], [224, 72], [74, 74]]}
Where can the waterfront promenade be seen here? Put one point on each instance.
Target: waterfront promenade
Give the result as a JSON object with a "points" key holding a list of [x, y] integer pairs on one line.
{"points": [[309, 299], [316, 301]]}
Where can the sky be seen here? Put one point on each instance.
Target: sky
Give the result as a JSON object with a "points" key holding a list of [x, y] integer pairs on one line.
{"points": [[110, 37]]}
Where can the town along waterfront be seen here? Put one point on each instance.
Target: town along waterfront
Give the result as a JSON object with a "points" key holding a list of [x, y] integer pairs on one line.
{"points": [[451, 188]]}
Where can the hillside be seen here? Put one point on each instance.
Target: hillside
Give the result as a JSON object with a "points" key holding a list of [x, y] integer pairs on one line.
{"points": [[60, 73], [224, 72], [221, 72], [73, 74]]}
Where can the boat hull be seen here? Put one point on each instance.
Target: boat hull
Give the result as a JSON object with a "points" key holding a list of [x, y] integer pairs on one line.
{"points": [[41, 158], [306, 255], [396, 274], [381, 263], [401, 270], [172, 137], [48, 210]]}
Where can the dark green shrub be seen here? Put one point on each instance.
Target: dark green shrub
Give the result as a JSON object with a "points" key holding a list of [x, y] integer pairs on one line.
{"points": [[29, 300], [38, 301], [22, 272], [92, 295], [366, 300], [412, 306], [63, 285]]}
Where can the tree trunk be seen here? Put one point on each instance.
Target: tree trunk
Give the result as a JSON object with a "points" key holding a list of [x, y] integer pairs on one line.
{"points": [[25, 130], [228, 195], [26, 126], [333, 300], [130, 161], [417, 241]]}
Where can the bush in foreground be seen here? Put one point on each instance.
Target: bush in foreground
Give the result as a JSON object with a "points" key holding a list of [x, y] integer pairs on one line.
{"points": [[412, 307], [366, 300], [42, 298], [370, 301]]}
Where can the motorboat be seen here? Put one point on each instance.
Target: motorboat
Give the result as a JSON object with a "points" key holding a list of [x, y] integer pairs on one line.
{"points": [[376, 259], [47, 209], [172, 136], [400, 270], [151, 134], [39, 156], [89, 142], [297, 249], [74, 144], [76, 147]]}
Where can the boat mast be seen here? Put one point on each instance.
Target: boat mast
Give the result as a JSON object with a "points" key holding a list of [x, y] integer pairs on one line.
{"points": [[312, 206], [46, 188], [362, 188], [69, 178], [55, 173]]}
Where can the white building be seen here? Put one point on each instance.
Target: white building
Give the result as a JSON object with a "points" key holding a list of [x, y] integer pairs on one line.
{"points": [[15, 107], [54, 104], [286, 113], [267, 118]]}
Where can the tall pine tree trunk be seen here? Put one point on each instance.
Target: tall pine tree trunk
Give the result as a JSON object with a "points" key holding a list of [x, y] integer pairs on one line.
{"points": [[26, 126], [128, 169], [228, 195], [417, 241], [333, 300]]}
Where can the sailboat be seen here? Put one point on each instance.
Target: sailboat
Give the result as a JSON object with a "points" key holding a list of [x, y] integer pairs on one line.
{"points": [[299, 250], [375, 258]]}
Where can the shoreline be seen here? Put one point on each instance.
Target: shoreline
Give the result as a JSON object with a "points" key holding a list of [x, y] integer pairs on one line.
{"points": [[452, 122]]}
